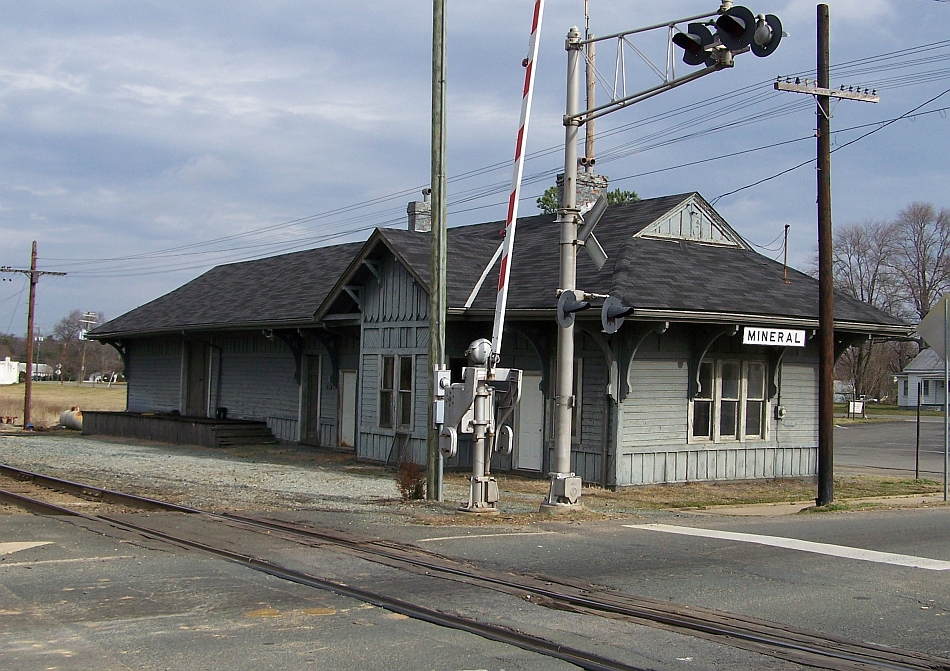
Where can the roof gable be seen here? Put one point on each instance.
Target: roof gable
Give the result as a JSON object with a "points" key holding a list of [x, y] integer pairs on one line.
{"points": [[926, 362], [694, 220]]}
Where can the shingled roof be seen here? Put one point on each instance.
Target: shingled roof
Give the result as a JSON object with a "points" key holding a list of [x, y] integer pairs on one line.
{"points": [[276, 291], [662, 278]]}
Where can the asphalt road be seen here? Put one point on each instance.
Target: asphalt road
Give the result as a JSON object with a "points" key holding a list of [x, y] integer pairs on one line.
{"points": [[885, 603], [889, 448]]}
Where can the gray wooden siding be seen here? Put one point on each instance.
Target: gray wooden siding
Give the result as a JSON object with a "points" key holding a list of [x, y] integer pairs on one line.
{"points": [[654, 434], [799, 396], [156, 385], [655, 410], [261, 386], [394, 323], [396, 298], [727, 463]]}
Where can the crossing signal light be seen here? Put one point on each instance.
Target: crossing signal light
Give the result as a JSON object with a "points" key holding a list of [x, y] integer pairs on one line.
{"points": [[567, 305], [694, 42], [612, 314], [736, 28], [767, 35]]}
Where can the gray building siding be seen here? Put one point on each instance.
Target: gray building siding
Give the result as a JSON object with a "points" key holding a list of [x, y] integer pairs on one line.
{"points": [[156, 384], [655, 444], [394, 324], [256, 381]]}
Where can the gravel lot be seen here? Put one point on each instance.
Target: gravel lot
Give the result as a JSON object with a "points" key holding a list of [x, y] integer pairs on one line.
{"points": [[256, 477]]}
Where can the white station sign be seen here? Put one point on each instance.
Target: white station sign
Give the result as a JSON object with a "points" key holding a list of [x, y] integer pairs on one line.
{"points": [[773, 337]]}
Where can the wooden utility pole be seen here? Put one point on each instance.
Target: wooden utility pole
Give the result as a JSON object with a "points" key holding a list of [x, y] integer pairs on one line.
{"points": [[826, 288], [34, 275], [437, 306], [826, 297]]}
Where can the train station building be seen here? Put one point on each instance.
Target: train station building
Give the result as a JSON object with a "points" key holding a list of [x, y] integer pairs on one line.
{"points": [[712, 377]]}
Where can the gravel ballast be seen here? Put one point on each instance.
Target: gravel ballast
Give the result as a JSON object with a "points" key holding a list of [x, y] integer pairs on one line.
{"points": [[254, 477]]}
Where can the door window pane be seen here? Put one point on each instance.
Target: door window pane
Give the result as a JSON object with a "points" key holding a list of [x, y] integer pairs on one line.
{"points": [[755, 400], [729, 400], [386, 391], [702, 419], [405, 391]]}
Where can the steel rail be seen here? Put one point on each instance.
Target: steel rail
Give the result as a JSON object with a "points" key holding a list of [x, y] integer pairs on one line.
{"points": [[498, 633], [799, 645]]}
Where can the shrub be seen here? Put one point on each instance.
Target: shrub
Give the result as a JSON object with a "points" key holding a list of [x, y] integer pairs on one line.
{"points": [[411, 480]]}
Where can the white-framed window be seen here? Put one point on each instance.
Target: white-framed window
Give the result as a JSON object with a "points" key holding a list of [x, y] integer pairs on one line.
{"points": [[395, 391], [730, 403], [906, 385], [926, 387]]}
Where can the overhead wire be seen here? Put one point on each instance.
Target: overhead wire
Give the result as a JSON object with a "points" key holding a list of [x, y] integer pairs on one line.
{"points": [[882, 126], [728, 103]]}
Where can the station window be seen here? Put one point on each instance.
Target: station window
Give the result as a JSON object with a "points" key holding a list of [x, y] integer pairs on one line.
{"points": [[395, 392], [730, 403]]}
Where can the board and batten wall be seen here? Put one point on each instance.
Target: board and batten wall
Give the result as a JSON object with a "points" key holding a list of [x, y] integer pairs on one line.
{"points": [[250, 375], [155, 379], [395, 322], [654, 445]]}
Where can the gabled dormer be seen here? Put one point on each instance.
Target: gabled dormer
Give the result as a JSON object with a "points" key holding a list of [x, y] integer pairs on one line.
{"points": [[693, 220]]}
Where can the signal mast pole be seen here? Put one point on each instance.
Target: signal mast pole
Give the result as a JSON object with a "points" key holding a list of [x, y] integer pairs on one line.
{"points": [[737, 31]]}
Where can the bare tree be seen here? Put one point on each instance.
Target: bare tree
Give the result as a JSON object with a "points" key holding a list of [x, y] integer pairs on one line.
{"points": [[862, 255], [921, 259]]}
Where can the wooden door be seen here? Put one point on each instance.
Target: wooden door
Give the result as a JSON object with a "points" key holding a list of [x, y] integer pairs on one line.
{"points": [[348, 396], [314, 376], [196, 404], [530, 420]]}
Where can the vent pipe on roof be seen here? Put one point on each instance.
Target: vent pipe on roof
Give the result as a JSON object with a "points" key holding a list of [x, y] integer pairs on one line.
{"points": [[420, 214]]}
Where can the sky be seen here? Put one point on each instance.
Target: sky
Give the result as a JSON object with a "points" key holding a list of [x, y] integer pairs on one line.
{"points": [[142, 143]]}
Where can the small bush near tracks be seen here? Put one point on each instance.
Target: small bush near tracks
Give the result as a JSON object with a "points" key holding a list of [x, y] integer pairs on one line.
{"points": [[411, 480]]}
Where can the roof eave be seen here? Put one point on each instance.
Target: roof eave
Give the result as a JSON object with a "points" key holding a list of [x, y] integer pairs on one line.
{"points": [[205, 328]]}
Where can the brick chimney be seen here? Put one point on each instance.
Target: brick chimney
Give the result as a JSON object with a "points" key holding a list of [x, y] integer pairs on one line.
{"points": [[589, 186], [420, 214]]}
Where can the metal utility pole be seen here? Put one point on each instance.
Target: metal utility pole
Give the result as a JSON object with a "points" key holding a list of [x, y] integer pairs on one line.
{"points": [[567, 218], [34, 276], [826, 297], [437, 306], [591, 77]]}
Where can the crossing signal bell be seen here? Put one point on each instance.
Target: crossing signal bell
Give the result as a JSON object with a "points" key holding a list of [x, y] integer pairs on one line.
{"points": [[737, 30], [612, 314], [567, 305]]}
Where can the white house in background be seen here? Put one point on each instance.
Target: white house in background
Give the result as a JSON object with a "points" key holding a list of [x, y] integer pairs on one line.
{"points": [[9, 371], [927, 370]]}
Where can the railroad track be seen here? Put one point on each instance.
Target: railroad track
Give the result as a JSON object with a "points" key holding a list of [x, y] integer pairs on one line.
{"points": [[781, 641]]}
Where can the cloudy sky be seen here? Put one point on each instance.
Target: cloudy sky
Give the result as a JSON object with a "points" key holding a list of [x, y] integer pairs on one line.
{"points": [[143, 142]]}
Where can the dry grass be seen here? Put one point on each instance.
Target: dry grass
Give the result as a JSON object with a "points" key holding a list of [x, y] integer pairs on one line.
{"points": [[51, 398], [698, 495]]}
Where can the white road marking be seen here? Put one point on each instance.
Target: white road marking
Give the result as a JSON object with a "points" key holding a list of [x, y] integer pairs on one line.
{"points": [[10, 548], [514, 533], [75, 560], [805, 546]]}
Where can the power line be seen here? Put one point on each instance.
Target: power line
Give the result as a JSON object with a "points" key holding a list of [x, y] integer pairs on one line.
{"points": [[657, 139], [883, 125]]}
